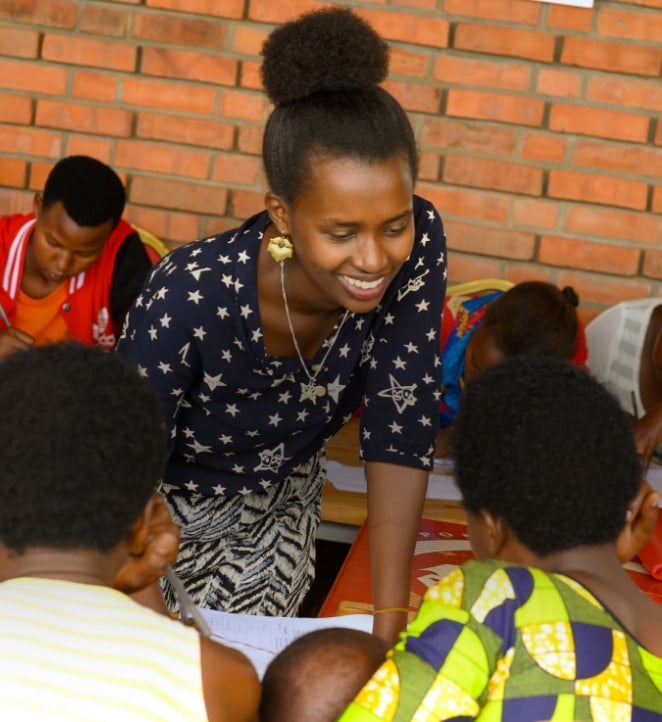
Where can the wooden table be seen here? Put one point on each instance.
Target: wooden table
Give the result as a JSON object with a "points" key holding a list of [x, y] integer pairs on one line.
{"points": [[346, 507]]}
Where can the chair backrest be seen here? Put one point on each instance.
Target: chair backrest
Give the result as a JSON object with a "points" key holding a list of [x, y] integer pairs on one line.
{"points": [[481, 285], [154, 246]]}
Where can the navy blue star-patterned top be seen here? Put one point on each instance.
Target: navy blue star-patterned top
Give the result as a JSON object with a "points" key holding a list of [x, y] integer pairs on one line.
{"points": [[236, 416]]}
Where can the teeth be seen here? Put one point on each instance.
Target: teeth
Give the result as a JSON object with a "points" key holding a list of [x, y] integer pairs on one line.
{"points": [[365, 285]]}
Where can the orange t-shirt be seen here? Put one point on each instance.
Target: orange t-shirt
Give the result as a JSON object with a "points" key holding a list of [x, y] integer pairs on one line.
{"points": [[42, 317]]}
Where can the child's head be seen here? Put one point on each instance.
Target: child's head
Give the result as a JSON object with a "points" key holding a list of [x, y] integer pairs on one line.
{"points": [[83, 447], [322, 72], [90, 191], [533, 318], [317, 675], [544, 447]]}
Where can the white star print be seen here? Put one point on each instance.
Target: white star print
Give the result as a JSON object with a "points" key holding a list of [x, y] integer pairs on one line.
{"points": [[213, 382], [222, 313], [218, 489], [395, 428], [422, 305], [225, 439], [231, 409], [399, 363], [165, 320], [153, 333], [199, 448], [164, 367], [199, 333], [195, 296], [424, 421], [243, 257], [245, 311], [274, 419], [425, 239], [191, 485], [411, 347]]}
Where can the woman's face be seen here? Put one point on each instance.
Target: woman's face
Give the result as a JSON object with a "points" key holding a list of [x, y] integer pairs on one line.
{"points": [[352, 229], [481, 353]]}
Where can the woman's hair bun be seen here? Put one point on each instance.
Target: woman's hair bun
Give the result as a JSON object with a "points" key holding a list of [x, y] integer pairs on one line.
{"points": [[330, 49], [570, 295]]}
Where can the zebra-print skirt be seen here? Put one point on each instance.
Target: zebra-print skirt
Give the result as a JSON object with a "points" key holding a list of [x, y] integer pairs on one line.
{"points": [[251, 553]]}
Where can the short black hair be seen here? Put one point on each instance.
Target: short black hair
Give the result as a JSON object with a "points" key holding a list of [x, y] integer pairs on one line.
{"points": [[544, 446], [317, 675], [322, 72], [90, 191], [535, 318], [83, 448]]}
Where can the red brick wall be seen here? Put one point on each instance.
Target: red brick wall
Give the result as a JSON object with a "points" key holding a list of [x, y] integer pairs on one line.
{"points": [[540, 125]]}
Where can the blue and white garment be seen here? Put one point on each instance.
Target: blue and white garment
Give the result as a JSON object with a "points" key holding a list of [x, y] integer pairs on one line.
{"points": [[236, 421]]}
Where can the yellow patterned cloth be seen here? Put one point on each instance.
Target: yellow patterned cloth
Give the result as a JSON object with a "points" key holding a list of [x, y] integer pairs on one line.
{"points": [[498, 642]]}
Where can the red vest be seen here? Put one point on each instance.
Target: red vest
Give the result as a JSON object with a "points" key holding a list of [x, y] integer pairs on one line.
{"points": [[87, 308]]}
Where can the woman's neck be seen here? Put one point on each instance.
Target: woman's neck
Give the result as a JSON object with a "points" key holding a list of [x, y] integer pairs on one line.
{"points": [[82, 566]]}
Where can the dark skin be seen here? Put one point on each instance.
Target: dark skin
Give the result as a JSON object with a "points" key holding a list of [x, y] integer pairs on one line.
{"points": [[599, 568], [230, 684], [648, 428]]}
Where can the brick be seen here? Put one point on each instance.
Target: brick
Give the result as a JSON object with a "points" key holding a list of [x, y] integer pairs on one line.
{"points": [[52, 13], [163, 94], [428, 166], [90, 85], [403, 62], [534, 213], [15, 109], [516, 11], [463, 267], [189, 65], [603, 289], [611, 56], [652, 266], [520, 110], [416, 97], [453, 69], [657, 200], [638, 160], [104, 20], [28, 140], [408, 27], [95, 146], [658, 133], [170, 226], [268, 11], [33, 77], [76, 50], [633, 25], [178, 194], [187, 31], [526, 272], [420, 4], [615, 124], [249, 139], [469, 136], [626, 92], [15, 201], [244, 204], [38, 174], [13, 172], [186, 130], [589, 256], [160, 158], [494, 174], [250, 75], [83, 118], [647, 3], [246, 105], [561, 17], [613, 223], [225, 9], [593, 188], [19, 43], [248, 39], [544, 147], [490, 241], [466, 202], [236, 169], [559, 83], [504, 40]]}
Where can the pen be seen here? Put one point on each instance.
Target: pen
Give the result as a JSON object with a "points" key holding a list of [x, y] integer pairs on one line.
{"points": [[4, 317], [188, 611]]}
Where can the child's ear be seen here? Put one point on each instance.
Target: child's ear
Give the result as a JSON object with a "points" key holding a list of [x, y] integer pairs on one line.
{"points": [[639, 522], [153, 542]]}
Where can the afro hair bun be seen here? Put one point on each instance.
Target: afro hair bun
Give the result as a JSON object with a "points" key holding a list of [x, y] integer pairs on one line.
{"points": [[325, 50]]}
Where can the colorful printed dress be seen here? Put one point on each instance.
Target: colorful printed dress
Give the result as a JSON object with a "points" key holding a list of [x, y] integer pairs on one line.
{"points": [[495, 641]]}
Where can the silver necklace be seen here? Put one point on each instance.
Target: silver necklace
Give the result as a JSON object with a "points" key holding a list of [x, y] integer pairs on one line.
{"points": [[310, 391]]}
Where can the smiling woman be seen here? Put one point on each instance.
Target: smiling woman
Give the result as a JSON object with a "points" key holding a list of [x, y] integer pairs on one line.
{"points": [[262, 341]]}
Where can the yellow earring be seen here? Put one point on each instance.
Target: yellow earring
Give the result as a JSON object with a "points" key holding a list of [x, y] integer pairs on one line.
{"points": [[280, 248]]}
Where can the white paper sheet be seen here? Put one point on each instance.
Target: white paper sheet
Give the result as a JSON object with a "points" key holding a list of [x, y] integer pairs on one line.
{"points": [[261, 638]]}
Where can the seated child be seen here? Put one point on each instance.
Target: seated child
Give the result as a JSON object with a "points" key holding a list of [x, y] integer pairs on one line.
{"points": [[546, 624], [314, 677], [534, 318], [626, 354], [72, 268], [83, 446]]}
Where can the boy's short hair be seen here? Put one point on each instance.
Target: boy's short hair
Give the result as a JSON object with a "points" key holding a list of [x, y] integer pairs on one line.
{"points": [[83, 447], [90, 191], [544, 446]]}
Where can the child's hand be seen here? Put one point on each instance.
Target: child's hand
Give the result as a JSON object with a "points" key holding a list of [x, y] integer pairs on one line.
{"points": [[648, 433], [155, 544], [13, 339]]}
